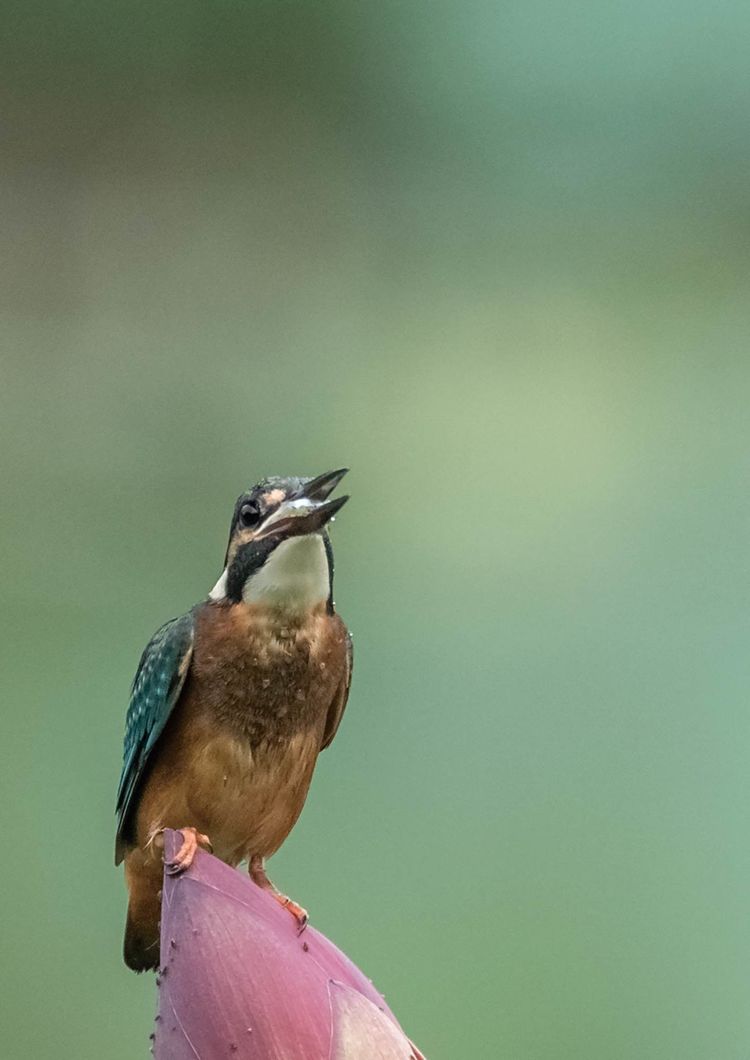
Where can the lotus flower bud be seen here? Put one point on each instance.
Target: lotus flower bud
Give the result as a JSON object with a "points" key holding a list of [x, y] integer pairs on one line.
{"points": [[237, 980]]}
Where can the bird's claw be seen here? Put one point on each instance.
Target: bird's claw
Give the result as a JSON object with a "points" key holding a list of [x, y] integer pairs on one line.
{"points": [[299, 914], [183, 859], [259, 877]]}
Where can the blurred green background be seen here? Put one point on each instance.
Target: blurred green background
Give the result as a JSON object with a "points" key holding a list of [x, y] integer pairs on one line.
{"points": [[495, 258]]}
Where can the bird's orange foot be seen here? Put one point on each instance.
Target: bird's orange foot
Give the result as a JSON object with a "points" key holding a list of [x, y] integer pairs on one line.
{"points": [[299, 914], [258, 876], [183, 859]]}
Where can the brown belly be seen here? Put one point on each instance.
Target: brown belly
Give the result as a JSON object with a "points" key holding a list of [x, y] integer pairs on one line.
{"points": [[247, 801]]}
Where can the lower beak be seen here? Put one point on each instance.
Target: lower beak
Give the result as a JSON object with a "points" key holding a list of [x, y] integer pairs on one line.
{"points": [[302, 516]]}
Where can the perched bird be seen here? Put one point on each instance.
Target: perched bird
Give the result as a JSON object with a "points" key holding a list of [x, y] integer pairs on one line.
{"points": [[232, 703]]}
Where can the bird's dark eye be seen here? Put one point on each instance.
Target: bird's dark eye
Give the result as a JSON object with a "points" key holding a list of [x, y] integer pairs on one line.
{"points": [[249, 514]]}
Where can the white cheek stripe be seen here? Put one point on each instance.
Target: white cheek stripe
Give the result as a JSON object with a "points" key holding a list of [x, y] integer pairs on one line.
{"points": [[219, 590]]}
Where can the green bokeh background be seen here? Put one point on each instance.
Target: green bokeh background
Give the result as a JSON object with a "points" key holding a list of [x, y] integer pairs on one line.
{"points": [[495, 258]]}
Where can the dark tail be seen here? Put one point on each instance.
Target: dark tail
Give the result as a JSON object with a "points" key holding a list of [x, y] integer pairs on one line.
{"points": [[141, 946]]}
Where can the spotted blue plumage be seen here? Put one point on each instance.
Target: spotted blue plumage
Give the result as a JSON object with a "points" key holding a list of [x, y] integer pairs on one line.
{"points": [[157, 685]]}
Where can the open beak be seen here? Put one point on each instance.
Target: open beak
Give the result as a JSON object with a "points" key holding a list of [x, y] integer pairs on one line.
{"points": [[321, 488], [307, 513]]}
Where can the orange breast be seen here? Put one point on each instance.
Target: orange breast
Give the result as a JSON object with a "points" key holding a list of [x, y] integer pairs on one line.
{"points": [[237, 757]]}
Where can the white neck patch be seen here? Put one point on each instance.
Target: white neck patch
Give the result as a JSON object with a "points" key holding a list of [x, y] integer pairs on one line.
{"points": [[295, 575], [219, 590]]}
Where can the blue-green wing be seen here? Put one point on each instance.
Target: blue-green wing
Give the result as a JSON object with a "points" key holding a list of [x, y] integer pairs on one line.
{"points": [[156, 688]]}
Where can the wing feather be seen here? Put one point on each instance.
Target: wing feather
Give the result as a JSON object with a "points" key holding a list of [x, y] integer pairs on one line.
{"points": [[156, 688], [337, 707]]}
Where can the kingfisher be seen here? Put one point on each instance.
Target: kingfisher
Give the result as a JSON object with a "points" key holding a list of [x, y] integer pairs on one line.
{"points": [[232, 703]]}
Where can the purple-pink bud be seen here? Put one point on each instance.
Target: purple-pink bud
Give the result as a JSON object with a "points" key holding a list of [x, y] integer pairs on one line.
{"points": [[237, 980]]}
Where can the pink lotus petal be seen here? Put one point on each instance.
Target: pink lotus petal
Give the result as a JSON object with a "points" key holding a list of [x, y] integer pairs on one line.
{"points": [[237, 980], [362, 1029]]}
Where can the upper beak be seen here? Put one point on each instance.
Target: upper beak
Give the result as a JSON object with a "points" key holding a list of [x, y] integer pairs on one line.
{"points": [[321, 488], [308, 513]]}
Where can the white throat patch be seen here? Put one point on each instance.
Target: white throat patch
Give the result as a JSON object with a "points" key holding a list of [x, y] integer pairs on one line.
{"points": [[294, 576]]}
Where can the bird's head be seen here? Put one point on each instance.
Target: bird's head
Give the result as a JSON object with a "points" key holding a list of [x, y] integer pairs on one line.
{"points": [[279, 551]]}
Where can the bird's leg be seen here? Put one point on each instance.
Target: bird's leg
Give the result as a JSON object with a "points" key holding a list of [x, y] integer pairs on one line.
{"points": [[258, 875], [183, 859]]}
